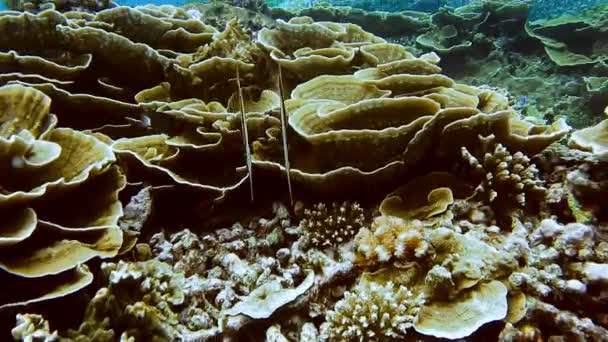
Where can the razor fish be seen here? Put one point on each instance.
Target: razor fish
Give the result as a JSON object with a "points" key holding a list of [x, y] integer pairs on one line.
{"points": [[244, 132], [284, 133]]}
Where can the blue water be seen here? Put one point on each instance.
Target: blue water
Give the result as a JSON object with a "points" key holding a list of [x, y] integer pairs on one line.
{"points": [[540, 8]]}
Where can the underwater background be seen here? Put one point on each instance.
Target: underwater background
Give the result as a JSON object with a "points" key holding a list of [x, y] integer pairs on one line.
{"points": [[539, 8], [302, 170]]}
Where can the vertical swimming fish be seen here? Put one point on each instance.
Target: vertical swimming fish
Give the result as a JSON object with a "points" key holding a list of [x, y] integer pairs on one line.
{"points": [[284, 132], [244, 132]]}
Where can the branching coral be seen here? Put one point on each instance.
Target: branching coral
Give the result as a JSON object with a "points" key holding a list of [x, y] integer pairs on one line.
{"points": [[392, 237], [139, 303], [335, 225], [508, 180], [565, 325], [373, 311], [30, 327]]}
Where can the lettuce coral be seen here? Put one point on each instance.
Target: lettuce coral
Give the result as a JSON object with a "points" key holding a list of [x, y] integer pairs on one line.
{"points": [[49, 171], [159, 105], [571, 40]]}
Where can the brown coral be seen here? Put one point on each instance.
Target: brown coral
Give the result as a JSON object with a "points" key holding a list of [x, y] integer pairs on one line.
{"points": [[507, 180], [47, 172]]}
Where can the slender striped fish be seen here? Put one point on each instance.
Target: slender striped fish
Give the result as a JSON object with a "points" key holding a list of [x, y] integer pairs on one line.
{"points": [[284, 131], [244, 132]]}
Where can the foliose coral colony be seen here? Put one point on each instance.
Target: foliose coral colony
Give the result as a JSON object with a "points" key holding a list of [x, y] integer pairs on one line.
{"points": [[424, 208]]}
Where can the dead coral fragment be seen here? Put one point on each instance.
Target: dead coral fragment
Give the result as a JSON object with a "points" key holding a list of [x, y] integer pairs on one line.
{"points": [[266, 299], [141, 298], [327, 226], [373, 311], [574, 240], [565, 323]]}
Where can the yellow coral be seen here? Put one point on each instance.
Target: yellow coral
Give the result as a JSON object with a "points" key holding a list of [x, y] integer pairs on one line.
{"points": [[391, 237], [48, 172]]}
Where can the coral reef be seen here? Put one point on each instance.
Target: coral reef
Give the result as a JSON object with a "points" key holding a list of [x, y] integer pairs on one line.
{"points": [[253, 15], [63, 6], [420, 207], [493, 43], [382, 23], [572, 40]]}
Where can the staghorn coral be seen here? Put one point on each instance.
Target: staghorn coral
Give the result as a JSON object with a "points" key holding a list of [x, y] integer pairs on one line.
{"points": [[332, 226]]}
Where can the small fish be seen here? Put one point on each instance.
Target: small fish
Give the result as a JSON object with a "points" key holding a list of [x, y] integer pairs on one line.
{"points": [[522, 101], [284, 131], [245, 133]]}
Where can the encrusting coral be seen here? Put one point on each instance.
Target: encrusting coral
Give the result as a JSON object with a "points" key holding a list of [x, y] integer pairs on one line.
{"points": [[154, 116]]}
